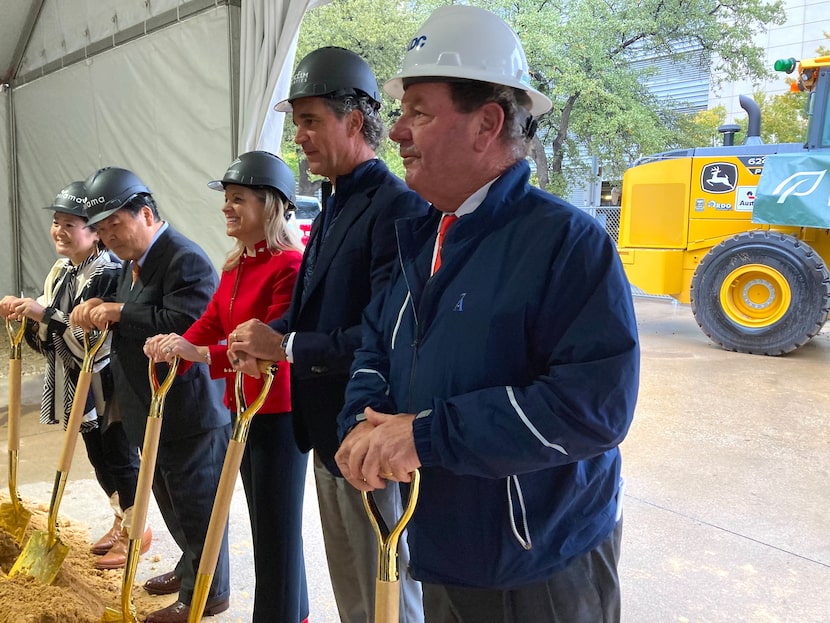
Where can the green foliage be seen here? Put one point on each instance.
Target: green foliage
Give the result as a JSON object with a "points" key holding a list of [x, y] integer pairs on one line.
{"points": [[783, 117], [700, 129], [589, 57], [584, 55], [377, 30]]}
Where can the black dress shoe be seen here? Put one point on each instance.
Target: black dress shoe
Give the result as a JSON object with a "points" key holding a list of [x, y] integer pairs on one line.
{"points": [[164, 584], [178, 612]]}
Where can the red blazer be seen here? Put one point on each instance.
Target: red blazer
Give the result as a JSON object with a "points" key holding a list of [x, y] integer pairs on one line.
{"points": [[259, 287]]}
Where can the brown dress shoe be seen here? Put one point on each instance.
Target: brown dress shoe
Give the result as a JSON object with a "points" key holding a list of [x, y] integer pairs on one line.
{"points": [[116, 558], [178, 611], [164, 584], [103, 545]]}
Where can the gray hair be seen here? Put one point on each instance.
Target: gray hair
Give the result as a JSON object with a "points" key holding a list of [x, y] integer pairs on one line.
{"points": [[373, 127]]}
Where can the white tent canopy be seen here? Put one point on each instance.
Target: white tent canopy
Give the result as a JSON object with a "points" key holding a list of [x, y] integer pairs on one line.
{"points": [[170, 89]]}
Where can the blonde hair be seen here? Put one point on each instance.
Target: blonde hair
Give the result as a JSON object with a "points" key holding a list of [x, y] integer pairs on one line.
{"points": [[278, 235]]}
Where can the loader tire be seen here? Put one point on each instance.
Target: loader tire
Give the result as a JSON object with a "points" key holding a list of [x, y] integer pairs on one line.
{"points": [[761, 292]]}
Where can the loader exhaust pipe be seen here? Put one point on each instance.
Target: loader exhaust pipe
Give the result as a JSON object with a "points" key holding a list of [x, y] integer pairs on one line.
{"points": [[753, 113]]}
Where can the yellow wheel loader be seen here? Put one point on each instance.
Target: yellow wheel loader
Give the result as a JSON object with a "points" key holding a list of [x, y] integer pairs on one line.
{"points": [[742, 232]]}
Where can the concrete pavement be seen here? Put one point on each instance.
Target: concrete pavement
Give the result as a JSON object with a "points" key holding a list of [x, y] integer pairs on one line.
{"points": [[727, 512]]}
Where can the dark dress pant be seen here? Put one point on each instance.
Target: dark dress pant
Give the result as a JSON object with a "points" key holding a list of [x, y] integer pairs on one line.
{"points": [[586, 591], [273, 473], [185, 483]]}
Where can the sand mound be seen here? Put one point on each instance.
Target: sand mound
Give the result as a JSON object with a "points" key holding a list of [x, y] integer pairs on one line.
{"points": [[80, 592]]}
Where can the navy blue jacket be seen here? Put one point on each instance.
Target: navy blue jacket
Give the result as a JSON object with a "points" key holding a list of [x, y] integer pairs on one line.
{"points": [[520, 357], [353, 264]]}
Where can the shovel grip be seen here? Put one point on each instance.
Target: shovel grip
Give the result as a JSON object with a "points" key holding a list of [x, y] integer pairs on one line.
{"points": [[14, 405]]}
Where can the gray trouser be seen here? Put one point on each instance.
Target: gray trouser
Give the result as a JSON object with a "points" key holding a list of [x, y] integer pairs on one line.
{"points": [[586, 591], [351, 548]]}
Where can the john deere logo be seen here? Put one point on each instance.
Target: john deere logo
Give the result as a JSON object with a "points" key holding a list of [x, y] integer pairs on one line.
{"points": [[719, 177]]}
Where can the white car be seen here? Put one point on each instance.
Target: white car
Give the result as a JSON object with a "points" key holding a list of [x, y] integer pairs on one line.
{"points": [[307, 210]]}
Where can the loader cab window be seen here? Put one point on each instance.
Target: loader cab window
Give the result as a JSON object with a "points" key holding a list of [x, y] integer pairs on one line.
{"points": [[818, 112]]}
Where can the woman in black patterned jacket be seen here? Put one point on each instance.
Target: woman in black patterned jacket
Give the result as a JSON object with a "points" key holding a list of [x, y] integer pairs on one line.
{"points": [[85, 270]]}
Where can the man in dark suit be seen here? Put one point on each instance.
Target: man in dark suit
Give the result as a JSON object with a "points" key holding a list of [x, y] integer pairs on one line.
{"points": [[351, 252], [166, 284]]}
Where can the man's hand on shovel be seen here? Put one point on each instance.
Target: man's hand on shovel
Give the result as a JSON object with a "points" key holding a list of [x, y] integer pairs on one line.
{"points": [[379, 449]]}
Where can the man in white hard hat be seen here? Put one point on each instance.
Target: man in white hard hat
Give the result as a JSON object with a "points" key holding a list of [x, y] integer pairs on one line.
{"points": [[502, 361]]}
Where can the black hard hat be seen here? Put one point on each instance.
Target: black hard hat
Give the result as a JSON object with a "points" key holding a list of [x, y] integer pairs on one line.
{"points": [[108, 190], [331, 72], [259, 168], [70, 200]]}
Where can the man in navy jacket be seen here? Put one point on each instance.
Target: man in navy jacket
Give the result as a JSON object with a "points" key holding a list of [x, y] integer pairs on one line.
{"points": [[502, 361], [334, 100]]}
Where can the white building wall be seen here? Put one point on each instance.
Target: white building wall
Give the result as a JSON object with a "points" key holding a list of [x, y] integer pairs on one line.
{"points": [[801, 35]]}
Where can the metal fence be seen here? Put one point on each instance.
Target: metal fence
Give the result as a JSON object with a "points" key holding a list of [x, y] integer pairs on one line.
{"points": [[608, 216]]}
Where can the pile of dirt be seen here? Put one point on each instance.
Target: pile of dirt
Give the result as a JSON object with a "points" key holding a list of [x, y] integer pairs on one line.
{"points": [[79, 594]]}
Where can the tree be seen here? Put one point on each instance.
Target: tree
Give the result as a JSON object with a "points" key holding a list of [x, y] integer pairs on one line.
{"points": [[589, 56], [700, 129], [783, 117], [584, 55]]}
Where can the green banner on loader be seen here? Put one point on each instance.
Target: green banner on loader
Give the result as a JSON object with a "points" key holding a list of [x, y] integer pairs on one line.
{"points": [[794, 189]]}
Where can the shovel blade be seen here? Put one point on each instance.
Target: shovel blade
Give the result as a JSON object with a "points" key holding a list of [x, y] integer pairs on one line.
{"points": [[41, 558], [111, 615], [14, 519]]}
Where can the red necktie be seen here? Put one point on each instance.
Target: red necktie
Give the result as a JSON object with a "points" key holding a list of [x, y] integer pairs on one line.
{"points": [[446, 221], [135, 272]]}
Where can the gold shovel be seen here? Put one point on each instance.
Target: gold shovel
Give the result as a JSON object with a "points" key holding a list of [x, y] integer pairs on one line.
{"points": [[13, 517], [44, 553], [224, 492], [149, 452], [387, 583]]}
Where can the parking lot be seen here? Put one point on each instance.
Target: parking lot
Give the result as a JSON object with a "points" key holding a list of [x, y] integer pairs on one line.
{"points": [[727, 464]]}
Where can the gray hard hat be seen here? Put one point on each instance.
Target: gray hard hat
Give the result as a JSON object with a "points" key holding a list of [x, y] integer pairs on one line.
{"points": [[331, 72], [259, 168], [108, 190], [70, 200]]}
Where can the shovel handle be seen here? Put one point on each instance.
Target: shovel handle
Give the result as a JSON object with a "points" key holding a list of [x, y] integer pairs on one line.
{"points": [[76, 414], [387, 590], [245, 413], [150, 447], [224, 491], [146, 471], [74, 425], [15, 359], [387, 601], [14, 405]]}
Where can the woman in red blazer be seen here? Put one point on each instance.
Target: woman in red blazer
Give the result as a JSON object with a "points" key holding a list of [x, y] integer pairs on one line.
{"points": [[257, 282]]}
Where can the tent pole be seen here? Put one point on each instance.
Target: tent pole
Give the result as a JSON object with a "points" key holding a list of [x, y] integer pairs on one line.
{"points": [[14, 200]]}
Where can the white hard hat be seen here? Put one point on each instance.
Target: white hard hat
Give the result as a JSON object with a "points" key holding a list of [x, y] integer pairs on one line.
{"points": [[461, 41]]}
